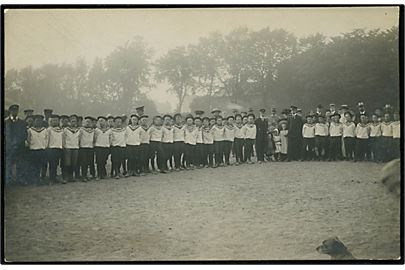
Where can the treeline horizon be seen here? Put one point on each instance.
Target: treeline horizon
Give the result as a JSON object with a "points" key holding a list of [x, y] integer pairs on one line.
{"points": [[265, 68]]}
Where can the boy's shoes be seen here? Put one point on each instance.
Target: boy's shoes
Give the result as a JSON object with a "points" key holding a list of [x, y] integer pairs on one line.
{"points": [[163, 171], [117, 177]]}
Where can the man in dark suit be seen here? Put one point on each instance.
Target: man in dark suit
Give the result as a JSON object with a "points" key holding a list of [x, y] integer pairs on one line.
{"points": [[361, 111], [262, 125], [15, 137], [294, 135]]}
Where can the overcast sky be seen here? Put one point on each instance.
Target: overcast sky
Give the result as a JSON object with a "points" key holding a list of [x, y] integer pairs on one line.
{"points": [[37, 37]]}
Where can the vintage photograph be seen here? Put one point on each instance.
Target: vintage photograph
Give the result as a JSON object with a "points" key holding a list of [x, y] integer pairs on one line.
{"points": [[167, 133]]}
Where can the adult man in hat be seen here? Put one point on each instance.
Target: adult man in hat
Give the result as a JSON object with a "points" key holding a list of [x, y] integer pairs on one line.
{"points": [[216, 112], [140, 111], [28, 112], [332, 108], [273, 118], [361, 111], [15, 136], [319, 110], [343, 109], [262, 126], [47, 114], [199, 113], [295, 124]]}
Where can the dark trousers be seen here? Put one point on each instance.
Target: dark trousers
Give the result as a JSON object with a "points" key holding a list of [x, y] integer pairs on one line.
{"points": [[308, 148], [396, 147], [71, 159], [335, 148], [190, 154], [350, 143], [219, 152], [37, 161], [168, 151], [101, 160], [320, 144], [132, 153], [86, 158], [261, 146], [294, 148], [238, 149], [227, 150], [54, 156], [178, 153], [199, 154], [249, 148], [375, 148], [117, 155], [208, 156], [361, 149], [156, 154], [144, 157], [20, 159], [386, 148]]}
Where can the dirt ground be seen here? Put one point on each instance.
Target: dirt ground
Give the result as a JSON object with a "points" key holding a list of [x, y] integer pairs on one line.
{"points": [[251, 212]]}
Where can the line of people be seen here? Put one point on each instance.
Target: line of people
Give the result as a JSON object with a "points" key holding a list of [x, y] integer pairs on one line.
{"points": [[80, 147]]}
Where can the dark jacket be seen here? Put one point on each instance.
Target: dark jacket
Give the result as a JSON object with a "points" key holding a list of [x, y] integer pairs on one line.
{"points": [[15, 135], [261, 127], [295, 126]]}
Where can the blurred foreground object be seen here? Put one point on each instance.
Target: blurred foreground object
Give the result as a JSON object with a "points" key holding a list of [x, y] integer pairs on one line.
{"points": [[391, 176]]}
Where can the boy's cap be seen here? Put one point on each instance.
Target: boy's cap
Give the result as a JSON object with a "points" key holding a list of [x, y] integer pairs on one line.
{"points": [[344, 106], [332, 105], [134, 115], [64, 116], [28, 110], [117, 117], [387, 106], [251, 114], [177, 114], [250, 110], [238, 115], [234, 111], [206, 118], [299, 110], [88, 117], [167, 115], [336, 114], [348, 113], [48, 110], [74, 115], [101, 117], [360, 104], [281, 121], [140, 108], [215, 110], [262, 110], [293, 107], [109, 116], [157, 116], [38, 116], [54, 116], [13, 107], [189, 116], [197, 117], [230, 116], [319, 106], [199, 112]]}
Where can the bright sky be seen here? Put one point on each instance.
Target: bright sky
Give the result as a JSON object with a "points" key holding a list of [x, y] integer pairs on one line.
{"points": [[37, 37]]}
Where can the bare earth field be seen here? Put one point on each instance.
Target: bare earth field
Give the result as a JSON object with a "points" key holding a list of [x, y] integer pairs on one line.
{"points": [[265, 211]]}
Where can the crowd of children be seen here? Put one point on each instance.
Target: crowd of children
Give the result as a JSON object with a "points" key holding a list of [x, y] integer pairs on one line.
{"points": [[80, 147]]}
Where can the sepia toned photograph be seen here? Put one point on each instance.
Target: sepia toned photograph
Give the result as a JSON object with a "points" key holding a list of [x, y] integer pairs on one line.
{"points": [[149, 134]]}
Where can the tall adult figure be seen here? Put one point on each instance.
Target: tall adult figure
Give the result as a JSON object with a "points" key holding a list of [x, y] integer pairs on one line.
{"points": [[294, 135], [15, 137], [361, 111], [262, 125]]}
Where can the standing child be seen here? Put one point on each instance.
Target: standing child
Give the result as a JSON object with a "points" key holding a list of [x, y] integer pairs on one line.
{"points": [[349, 134], [396, 136], [167, 142], [219, 136], [239, 139], [277, 144], [308, 134], [118, 146], [86, 150], [54, 151], [102, 144], [71, 149], [37, 140], [229, 137], [190, 141], [362, 136], [249, 131], [335, 139], [178, 138], [375, 138], [386, 138], [156, 153], [200, 143], [144, 146], [321, 136], [208, 139], [133, 143], [284, 140]]}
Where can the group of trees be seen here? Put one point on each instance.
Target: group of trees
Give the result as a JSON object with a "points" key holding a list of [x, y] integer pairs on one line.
{"points": [[263, 68]]}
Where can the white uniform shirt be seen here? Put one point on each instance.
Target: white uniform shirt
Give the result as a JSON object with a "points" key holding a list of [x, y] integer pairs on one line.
{"points": [[168, 134], [199, 135], [133, 135], [37, 138], [386, 129], [229, 134], [178, 133], [71, 138], [145, 137], [362, 131], [156, 134], [349, 130], [308, 130], [118, 137], [239, 132], [396, 129], [55, 138], [335, 130], [102, 138], [218, 133], [190, 136], [249, 131], [321, 129], [208, 135], [86, 138], [375, 130]]}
